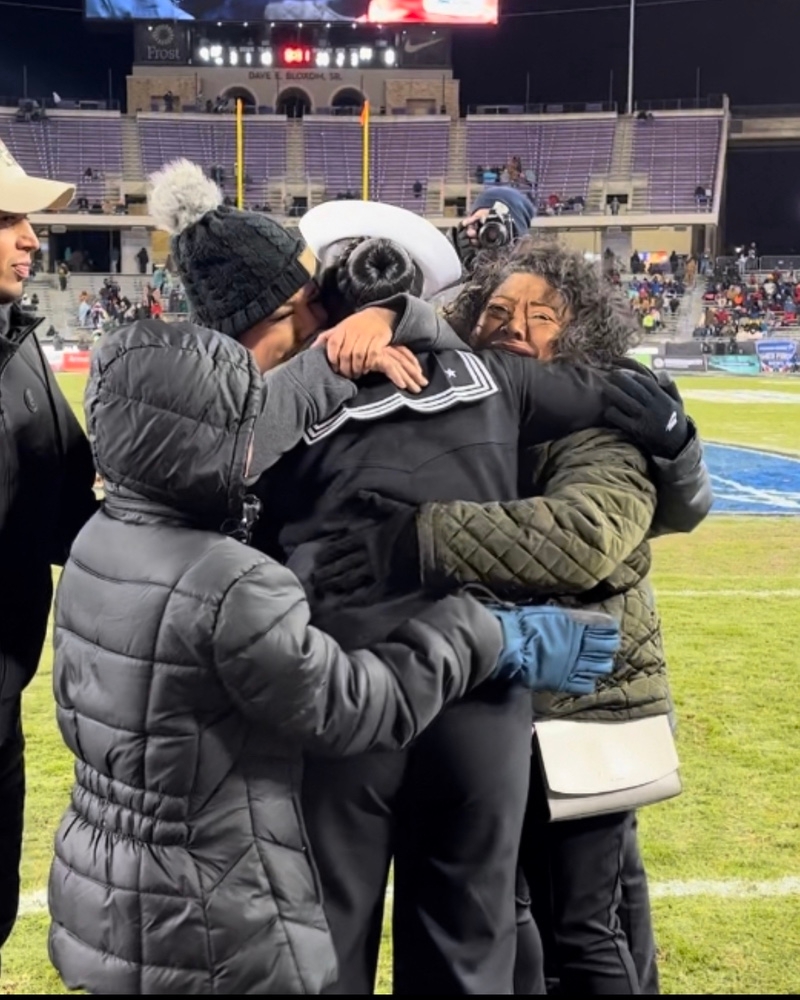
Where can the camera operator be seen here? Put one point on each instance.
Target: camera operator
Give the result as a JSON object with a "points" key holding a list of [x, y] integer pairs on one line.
{"points": [[499, 216]]}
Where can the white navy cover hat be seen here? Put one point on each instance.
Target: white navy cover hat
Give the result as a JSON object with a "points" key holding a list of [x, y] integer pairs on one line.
{"points": [[334, 221]]}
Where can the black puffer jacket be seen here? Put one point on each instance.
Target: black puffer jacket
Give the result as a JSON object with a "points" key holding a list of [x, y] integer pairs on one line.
{"points": [[188, 682], [46, 496]]}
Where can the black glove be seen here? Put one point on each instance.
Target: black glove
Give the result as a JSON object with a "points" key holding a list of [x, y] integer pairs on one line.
{"points": [[651, 416], [387, 554]]}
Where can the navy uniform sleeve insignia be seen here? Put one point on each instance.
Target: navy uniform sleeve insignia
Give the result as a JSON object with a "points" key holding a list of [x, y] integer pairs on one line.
{"points": [[456, 378]]}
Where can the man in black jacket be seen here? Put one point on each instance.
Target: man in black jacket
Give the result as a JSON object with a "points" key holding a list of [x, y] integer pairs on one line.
{"points": [[46, 495]]}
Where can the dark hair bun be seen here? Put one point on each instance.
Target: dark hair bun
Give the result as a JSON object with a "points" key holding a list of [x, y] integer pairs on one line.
{"points": [[376, 269]]}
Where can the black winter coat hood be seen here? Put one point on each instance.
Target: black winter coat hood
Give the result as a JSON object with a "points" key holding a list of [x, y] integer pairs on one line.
{"points": [[171, 411]]}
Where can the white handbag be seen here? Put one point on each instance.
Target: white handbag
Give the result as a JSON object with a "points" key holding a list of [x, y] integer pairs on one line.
{"points": [[591, 768]]}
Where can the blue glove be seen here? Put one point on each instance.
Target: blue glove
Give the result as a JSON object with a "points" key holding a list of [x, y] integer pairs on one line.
{"points": [[555, 649]]}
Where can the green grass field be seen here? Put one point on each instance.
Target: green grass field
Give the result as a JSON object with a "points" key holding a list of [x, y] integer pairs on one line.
{"points": [[724, 858]]}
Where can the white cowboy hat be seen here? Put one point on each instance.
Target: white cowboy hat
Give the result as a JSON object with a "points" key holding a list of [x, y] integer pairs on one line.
{"points": [[430, 249], [21, 194]]}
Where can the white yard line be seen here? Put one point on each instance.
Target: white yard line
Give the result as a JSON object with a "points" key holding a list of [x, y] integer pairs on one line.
{"points": [[788, 592], [734, 888], [34, 903]]}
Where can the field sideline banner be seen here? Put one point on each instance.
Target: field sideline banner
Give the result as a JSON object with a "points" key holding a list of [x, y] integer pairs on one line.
{"points": [[69, 360], [734, 364], [675, 363], [777, 354]]}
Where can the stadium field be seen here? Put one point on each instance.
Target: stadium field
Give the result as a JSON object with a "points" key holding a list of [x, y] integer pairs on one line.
{"points": [[724, 858]]}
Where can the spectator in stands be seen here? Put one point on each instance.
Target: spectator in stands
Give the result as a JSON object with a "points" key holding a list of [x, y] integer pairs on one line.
{"points": [[479, 175], [418, 188], [62, 271], [46, 497], [84, 310], [159, 277], [169, 102], [578, 204], [636, 263], [143, 257]]}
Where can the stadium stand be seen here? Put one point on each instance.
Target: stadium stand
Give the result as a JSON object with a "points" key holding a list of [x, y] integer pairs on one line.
{"points": [[563, 154], [67, 146], [678, 155], [211, 142], [670, 156], [402, 153]]}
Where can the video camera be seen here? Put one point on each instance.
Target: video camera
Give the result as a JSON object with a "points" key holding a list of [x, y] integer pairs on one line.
{"points": [[494, 231]]}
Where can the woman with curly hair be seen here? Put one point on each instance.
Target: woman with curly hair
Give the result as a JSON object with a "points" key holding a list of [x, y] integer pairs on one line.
{"points": [[580, 541], [576, 315], [589, 887]]}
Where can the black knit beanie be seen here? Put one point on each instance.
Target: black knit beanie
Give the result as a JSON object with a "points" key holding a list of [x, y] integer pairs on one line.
{"points": [[237, 267]]}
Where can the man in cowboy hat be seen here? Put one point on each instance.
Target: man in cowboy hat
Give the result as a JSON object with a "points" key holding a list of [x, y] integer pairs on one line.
{"points": [[46, 495]]}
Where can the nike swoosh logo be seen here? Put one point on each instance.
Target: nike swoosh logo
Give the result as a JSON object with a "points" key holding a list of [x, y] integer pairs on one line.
{"points": [[412, 47]]}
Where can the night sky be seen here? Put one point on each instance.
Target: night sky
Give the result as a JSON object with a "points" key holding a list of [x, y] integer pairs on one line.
{"points": [[568, 51]]}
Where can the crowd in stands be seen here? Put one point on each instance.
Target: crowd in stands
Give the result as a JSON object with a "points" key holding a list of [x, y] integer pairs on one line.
{"points": [[655, 290], [110, 308], [653, 297], [745, 306], [514, 175]]}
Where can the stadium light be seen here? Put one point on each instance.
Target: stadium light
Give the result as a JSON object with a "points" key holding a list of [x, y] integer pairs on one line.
{"points": [[390, 57]]}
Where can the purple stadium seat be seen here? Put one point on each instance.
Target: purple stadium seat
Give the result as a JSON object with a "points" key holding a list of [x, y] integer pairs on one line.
{"points": [[211, 142], [563, 154], [678, 154], [401, 153]]}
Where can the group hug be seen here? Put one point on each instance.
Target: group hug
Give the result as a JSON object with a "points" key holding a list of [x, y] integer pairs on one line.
{"points": [[361, 635]]}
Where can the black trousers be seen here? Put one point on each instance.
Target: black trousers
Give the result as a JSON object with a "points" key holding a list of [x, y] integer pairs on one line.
{"points": [[575, 870], [450, 812], [635, 914], [12, 801]]}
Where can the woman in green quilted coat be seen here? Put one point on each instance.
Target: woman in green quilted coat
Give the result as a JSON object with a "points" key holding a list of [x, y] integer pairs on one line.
{"points": [[583, 541]]}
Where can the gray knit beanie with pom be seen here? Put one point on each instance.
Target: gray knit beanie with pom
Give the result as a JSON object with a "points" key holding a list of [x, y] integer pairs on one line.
{"points": [[237, 267]]}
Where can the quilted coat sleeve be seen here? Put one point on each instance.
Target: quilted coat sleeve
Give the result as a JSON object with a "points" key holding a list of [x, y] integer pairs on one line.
{"points": [[282, 672], [595, 509], [684, 489]]}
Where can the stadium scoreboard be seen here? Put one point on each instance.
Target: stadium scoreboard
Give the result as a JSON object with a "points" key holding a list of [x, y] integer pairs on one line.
{"points": [[367, 12]]}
